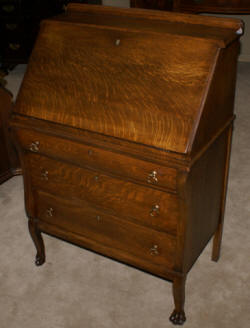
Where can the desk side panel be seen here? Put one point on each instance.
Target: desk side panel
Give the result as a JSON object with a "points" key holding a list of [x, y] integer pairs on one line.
{"points": [[218, 106], [201, 200]]}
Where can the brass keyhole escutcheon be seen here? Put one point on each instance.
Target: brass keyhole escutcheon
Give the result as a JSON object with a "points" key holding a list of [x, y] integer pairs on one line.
{"points": [[45, 175], [155, 211]]}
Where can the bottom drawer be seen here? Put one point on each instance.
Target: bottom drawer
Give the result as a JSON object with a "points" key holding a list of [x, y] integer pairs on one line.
{"points": [[106, 230]]}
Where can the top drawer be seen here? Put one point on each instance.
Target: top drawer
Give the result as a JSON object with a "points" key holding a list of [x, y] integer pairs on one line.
{"points": [[88, 156]]}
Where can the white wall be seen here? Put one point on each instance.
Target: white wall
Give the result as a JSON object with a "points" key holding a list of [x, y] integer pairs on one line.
{"points": [[117, 3], [245, 39]]}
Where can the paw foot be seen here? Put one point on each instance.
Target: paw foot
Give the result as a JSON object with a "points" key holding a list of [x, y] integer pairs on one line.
{"points": [[178, 318], [39, 260]]}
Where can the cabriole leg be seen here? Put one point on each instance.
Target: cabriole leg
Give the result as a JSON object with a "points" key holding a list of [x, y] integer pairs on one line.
{"points": [[178, 316], [38, 241]]}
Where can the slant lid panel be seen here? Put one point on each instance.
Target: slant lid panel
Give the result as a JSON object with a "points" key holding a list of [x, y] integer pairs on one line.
{"points": [[143, 87]]}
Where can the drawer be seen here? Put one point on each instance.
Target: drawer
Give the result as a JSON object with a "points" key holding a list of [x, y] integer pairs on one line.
{"points": [[106, 230], [137, 203], [89, 156]]}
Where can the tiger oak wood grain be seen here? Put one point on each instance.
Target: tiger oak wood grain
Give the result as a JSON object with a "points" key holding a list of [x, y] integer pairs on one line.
{"points": [[114, 95], [118, 196], [120, 255], [101, 159], [124, 134], [106, 229]]}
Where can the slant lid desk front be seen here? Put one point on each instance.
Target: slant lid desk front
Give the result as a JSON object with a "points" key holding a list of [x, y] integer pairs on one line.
{"points": [[123, 124]]}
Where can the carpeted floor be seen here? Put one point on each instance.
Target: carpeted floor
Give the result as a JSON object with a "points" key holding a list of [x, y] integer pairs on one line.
{"points": [[79, 289]]}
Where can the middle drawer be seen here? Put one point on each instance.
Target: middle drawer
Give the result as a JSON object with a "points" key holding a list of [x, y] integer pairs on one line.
{"points": [[148, 206]]}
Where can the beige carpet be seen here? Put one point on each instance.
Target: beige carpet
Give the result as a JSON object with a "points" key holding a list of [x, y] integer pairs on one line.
{"points": [[78, 289]]}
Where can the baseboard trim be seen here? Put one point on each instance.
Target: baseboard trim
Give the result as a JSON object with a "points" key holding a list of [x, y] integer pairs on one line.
{"points": [[6, 175], [244, 58]]}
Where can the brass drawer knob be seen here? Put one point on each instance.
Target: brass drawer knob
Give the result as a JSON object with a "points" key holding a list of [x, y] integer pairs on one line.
{"points": [[14, 46], [50, 212], [154, 250], [96, 177], [11, 27], [117, 42], [34, 146], [152, 177], [8, 8], [155, 211], [44, 175]]}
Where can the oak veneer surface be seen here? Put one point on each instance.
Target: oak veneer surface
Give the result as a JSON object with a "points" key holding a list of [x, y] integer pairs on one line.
{"points": [[127, 199], [106, 229], [100, 159], [124, 132], [160, 101]]}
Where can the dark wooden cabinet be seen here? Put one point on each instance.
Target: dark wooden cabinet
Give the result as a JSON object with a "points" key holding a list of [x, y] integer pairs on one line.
{"points": [[152, 4], [216, 6], [9, 162], [125, 141], [196, 6], [19, 25]]}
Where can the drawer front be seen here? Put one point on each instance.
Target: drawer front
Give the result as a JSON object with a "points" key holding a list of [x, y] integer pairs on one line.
{"points": [[125, 199], [89, 156], [107, 230]]}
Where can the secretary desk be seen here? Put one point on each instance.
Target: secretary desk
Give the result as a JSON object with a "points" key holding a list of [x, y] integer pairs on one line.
{"points": [[123, 125]]}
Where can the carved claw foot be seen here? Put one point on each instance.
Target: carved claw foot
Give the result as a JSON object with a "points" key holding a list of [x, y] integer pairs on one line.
{"points": [[39, 260], [178, 318]]}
